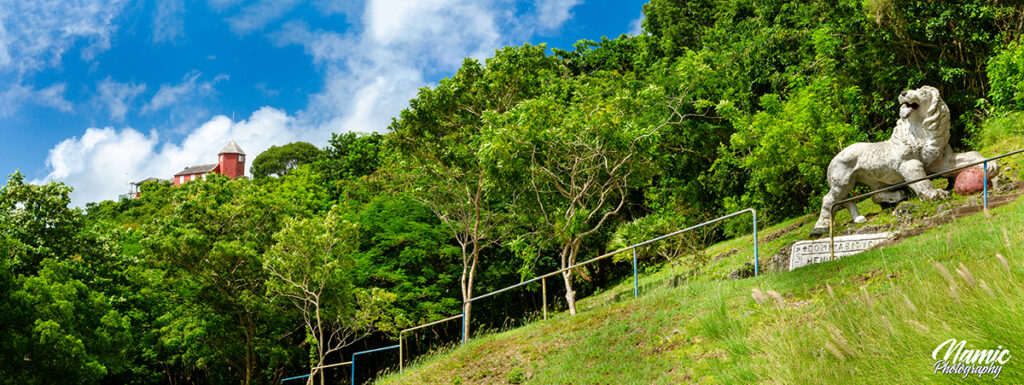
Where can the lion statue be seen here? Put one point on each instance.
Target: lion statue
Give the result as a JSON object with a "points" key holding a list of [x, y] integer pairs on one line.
{"points": [[919, 146]]}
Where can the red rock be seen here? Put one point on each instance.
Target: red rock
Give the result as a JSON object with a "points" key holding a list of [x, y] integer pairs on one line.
{"points": [[970, 181]]}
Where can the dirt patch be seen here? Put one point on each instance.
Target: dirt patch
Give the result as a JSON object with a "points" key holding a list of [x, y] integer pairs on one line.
{"points": [[788, 229]]}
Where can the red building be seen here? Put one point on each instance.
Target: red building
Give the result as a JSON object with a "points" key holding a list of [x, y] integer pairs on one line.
{"points": [[230, 162]]}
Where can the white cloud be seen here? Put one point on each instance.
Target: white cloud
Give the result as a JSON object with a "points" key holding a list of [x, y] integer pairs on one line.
{"points": [[99, 163], [189, 88], [254, 17], [370, 73], [36, 34], [168, 20], [116, 96], [551, 14], [14, 97], [636, 26]]}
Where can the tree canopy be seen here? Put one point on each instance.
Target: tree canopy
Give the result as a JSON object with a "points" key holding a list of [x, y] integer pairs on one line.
{"points": [[516, 165]]}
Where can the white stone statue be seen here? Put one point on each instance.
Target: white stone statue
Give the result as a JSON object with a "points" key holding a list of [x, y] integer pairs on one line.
{"points": [[919, 146]]}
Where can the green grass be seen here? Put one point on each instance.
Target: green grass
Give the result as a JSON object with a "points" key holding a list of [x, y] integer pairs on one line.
{"points": [[865, 332], [871, 318]]}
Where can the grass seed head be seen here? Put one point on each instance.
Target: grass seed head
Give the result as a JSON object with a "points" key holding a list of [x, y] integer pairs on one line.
{"points": [[918, 325], [888, 326], [910, 304], [758, 295], [986, 287], [777, 296], [966, 275], [1006, 265], [945, 273], [867, 296], [830, 292], [837, 337], [835, 352], [1006, 237]]}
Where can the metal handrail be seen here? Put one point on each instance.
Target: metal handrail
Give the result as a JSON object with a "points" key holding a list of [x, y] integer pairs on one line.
{"points": [[832, 209], [314, 368], [606, 255], [542, 278], [353, 360], [400, 354]]}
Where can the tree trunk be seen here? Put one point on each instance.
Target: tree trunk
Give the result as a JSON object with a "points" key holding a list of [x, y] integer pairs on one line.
{"points": [[466, 306], [570, 294], [568, 259]]}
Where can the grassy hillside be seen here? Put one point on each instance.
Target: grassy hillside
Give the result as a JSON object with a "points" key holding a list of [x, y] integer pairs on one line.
{"points": [[871, 318]]}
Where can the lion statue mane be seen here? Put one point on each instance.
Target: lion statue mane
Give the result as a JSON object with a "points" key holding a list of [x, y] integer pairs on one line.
{"points": [[919, 146]]}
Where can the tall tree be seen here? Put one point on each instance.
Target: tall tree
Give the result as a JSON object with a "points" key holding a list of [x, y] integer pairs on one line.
{"points": [[439, 136], [311, 268], [210, 247], [54, 328], [576, 152]]}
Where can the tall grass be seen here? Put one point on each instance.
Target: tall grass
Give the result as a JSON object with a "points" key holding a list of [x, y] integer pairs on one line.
{"points": [[884, 332]]}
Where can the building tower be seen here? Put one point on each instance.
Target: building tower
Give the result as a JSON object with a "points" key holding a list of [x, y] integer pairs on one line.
{"points": [[231, 160]]}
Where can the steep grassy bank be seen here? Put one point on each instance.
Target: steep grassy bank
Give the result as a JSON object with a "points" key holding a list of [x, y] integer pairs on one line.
{"points": [[869, 318]]}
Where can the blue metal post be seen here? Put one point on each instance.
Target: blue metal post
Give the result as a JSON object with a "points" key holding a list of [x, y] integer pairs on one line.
{"points": [[364, 352], [295, 378], [464, 323], [636, 289], [984, 166], [756, 263]]}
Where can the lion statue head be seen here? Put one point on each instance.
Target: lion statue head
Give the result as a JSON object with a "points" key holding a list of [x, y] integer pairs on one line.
{"points": [[924, 122]]}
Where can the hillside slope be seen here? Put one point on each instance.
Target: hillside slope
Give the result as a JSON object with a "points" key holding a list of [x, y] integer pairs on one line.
{"points": [[875, 317]]}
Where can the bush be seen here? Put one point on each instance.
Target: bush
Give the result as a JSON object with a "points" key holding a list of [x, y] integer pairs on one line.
{"points": [[1006, 78], [785, 149]]}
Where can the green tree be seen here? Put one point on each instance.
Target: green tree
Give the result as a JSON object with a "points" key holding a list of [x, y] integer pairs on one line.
{"points": [[37, 223], [577, 151], [786, 148], [280, 160], [54, 329], [406, 250], [439, 136], [210, 248], [311, 268], [350, 155]]}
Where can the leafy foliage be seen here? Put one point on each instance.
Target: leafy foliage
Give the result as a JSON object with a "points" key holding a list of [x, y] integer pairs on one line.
{"points": [[279, 160], [513, 166]]}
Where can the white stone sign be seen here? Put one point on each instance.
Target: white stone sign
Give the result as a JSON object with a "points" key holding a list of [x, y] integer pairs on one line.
{"points": [[809, 252]]}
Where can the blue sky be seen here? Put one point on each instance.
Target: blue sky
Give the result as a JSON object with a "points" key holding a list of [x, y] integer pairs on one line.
{"points": [[94, 93]]}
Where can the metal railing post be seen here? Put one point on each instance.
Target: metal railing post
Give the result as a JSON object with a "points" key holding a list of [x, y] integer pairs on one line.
{"points": [[636, 289], [832, 233], [984, 182], [401, 344], [756, 262], [464, 322], [544, 295]]}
